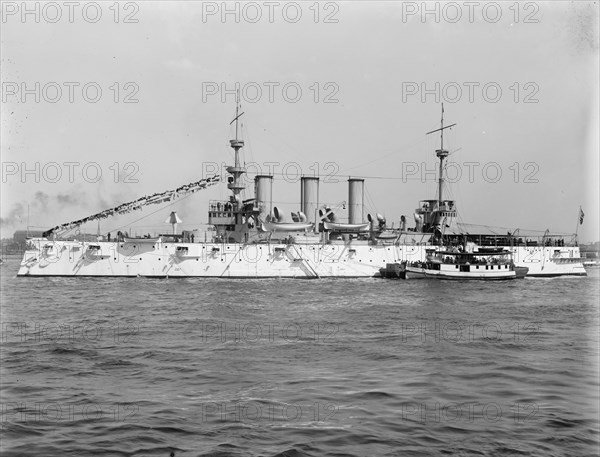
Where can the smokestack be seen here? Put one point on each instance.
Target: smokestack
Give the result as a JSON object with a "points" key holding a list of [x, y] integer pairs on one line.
{"points": [[309, 198], [263, 190], [356, 198]]}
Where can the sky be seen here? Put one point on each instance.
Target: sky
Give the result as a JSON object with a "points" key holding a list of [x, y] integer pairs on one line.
{"points": [[103, 103]]}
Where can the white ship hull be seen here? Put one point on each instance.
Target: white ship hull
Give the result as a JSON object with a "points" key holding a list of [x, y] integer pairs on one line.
{"points": [[233, 260], [447, 273]]}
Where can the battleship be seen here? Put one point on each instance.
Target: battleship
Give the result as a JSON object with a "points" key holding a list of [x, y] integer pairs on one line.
{"points": [[252, 238]]}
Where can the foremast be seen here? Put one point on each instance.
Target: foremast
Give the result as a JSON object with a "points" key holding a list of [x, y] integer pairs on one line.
{"points": [[236, 170], [234, 219]]}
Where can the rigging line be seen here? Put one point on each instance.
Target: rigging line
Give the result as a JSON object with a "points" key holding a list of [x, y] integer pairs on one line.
{"points": [[248, 145], [370, 200], [279, 140], [366, 203], [396, 151], [291, 148], [525, 230], [395, 178], [154, 212]]}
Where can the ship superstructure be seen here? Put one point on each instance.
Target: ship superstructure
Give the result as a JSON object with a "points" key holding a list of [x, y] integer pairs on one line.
{"points": [[253, 239]]}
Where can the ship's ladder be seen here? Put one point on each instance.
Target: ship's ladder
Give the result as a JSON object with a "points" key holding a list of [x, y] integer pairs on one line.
{"points": [[304, 262], [30, 261]]}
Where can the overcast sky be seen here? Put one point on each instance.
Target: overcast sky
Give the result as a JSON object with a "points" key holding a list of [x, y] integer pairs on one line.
{"points": [[521, 82]]}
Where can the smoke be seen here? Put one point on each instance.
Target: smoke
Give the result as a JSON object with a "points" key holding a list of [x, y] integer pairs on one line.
{"points": [[68, 199], [48, 210], [17, 215], [40, 201], [41, 204]]}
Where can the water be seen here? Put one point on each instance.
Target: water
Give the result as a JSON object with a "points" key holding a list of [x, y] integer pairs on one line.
{"points": [[200, 367]]}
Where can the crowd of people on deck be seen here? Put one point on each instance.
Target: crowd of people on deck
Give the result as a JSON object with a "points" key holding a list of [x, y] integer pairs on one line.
{"points": [[475, 260]]}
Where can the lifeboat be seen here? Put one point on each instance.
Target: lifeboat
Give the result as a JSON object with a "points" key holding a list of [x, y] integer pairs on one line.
{"points": [[141, 240], [287, 226], [337, 227], [387, 235]]}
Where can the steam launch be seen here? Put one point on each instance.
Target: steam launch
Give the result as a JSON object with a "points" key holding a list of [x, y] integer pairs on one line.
{"points": [[252, 238]]}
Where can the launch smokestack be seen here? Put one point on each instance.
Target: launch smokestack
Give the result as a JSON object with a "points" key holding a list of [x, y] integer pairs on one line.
{"points": [[356, 197], [309, 197], [263, 189]]}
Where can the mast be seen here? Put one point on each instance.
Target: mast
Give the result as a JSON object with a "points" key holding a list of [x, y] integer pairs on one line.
{"points": [[237, 171], [441, 154]]}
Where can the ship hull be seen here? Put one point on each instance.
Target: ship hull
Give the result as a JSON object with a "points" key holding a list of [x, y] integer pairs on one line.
{"points": [[233, 260], [424, 273]]}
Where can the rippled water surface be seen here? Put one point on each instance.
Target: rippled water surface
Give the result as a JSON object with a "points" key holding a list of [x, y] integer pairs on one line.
{"points": [[200, 367]]}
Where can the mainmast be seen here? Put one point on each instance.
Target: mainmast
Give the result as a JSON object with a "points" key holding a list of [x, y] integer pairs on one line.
{"points": [[441, 154], [237, 171]]}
